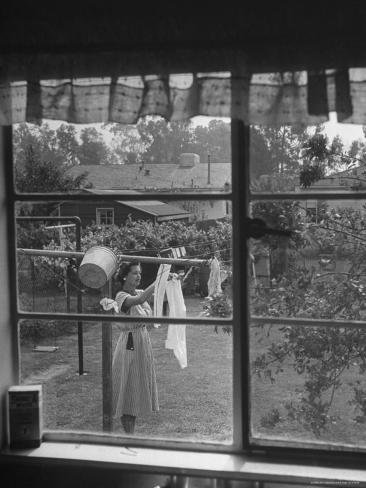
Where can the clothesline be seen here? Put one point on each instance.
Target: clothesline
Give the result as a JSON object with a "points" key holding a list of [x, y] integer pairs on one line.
{"points": [[123, 257]]}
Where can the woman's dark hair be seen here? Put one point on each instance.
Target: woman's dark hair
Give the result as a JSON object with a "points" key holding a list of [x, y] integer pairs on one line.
{"points": [[125, 268]]}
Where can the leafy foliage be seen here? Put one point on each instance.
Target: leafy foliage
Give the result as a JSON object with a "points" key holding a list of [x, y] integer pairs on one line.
{"points": [[37, 175], [321, 156], [320, 354]]}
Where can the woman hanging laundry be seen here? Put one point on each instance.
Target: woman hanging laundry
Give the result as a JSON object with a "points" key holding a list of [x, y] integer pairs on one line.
{"points": [[133, 372]]}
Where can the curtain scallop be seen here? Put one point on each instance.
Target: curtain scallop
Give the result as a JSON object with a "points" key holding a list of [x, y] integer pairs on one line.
{"points": [[288, 98]]}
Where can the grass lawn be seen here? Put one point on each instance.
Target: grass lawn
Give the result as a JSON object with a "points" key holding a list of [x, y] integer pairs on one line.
{"points": [[289, 386], [195, 402]]}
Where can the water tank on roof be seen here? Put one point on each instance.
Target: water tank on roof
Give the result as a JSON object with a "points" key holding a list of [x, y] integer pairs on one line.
{"points": [[188, 160]]}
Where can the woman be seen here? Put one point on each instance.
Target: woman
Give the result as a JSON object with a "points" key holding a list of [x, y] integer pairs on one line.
{"points": [[134, 381]]}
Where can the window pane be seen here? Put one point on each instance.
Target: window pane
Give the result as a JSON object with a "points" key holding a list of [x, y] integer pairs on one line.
{"points": [[307, 385], [319, 272], [321, 158], [64, 263], [307, 382], [105, 216], [194, 402], [152, 155]]}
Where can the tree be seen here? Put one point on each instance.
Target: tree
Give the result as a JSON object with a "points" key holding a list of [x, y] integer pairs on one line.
{"points": [[126, 143], [43, 141], [213, 139], [164, 141], [68, 143], [154, 140], [36, 175], [322, 157], [276, 152], [93, 149]]}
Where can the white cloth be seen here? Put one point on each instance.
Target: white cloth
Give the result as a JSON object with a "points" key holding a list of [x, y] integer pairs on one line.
{"points": [[176, 337], [159, 289], [214, 280], [109, 304]]}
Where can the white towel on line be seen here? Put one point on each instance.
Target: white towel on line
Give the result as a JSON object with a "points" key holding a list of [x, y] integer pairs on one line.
{"points": [[159, 289], [176, 337], [214, 280]]}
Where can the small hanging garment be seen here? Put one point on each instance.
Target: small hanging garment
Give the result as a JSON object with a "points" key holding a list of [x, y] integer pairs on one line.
{"points": [[109, 304], [176, 337], [159, 289], [214, 280]]}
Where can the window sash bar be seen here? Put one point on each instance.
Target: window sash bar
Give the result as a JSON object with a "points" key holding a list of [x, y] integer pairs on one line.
{"points": [[120, 318], [299, 322], [307, 195], [92, 197], [254, 321]]}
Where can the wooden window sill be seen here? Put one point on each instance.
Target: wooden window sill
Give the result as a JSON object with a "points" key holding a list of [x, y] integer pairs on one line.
{"points": [[174, 462]]}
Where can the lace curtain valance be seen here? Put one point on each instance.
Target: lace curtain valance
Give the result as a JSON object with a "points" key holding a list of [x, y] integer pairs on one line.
{"points": [[289, 98]]}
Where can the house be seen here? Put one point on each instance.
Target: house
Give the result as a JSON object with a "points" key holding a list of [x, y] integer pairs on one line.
{"points": [[348, 180], [117, 212], [196, 177]]}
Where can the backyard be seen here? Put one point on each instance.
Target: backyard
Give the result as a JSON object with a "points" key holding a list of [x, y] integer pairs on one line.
{"points": [[195, 402]]}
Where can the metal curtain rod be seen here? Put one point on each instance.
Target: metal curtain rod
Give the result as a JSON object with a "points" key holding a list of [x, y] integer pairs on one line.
{"points": [[124, 257]]}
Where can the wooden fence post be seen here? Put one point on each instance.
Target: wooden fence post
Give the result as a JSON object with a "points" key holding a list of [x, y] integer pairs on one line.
{"points": [[106, 291]]}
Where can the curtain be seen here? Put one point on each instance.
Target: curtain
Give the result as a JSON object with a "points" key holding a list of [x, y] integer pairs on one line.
{"points": [[290, 98]]}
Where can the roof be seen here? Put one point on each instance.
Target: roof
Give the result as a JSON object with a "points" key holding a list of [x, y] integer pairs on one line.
{"points": [[128, 176], [156, 208], [152, 207]]}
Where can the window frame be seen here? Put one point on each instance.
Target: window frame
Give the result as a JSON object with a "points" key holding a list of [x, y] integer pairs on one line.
{"points": [[240, 197], [95, 438], [98, 215]]}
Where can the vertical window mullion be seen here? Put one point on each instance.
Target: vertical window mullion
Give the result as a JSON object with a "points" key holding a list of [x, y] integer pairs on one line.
{"points": [[7, 137], [240, 185]]}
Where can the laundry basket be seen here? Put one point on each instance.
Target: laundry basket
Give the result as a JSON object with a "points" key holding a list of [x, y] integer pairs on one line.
{"points": [[97, 267]]}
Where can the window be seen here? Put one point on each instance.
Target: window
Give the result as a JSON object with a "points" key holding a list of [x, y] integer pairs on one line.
{"points": [[257, 304], [160, 214], [105, 216], [306, 300]]}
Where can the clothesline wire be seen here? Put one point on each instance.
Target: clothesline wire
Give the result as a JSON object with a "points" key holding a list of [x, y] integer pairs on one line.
{"points": [[213, 252], [155, 249]]}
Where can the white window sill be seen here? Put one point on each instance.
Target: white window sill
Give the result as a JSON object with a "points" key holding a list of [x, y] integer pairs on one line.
{"points": [[171, 462]]}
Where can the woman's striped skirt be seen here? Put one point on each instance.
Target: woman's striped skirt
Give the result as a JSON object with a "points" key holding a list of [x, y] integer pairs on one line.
{"points": [[134, 389]]}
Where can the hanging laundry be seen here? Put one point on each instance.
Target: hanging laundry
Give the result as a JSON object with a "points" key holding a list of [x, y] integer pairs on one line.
{"points": [[176, 337], [214, 280], [109, 304], [159, 289]]}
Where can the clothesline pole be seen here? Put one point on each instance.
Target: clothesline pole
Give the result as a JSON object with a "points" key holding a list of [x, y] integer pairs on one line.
{"points": [[123, 257], [106, 290]]}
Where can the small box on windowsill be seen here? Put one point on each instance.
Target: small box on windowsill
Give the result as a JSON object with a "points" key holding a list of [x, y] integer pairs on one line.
{"points": [[25, 416]]}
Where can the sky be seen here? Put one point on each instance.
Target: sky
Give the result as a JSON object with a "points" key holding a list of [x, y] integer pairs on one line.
{"points": [[348, 132]]}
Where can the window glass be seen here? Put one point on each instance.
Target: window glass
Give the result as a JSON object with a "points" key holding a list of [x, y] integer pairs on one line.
{"points": [[194, 402], [326, 157], [72, 257], [152, 155], [105, 216], [307, 379], [307, 385], [63, 265]]}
